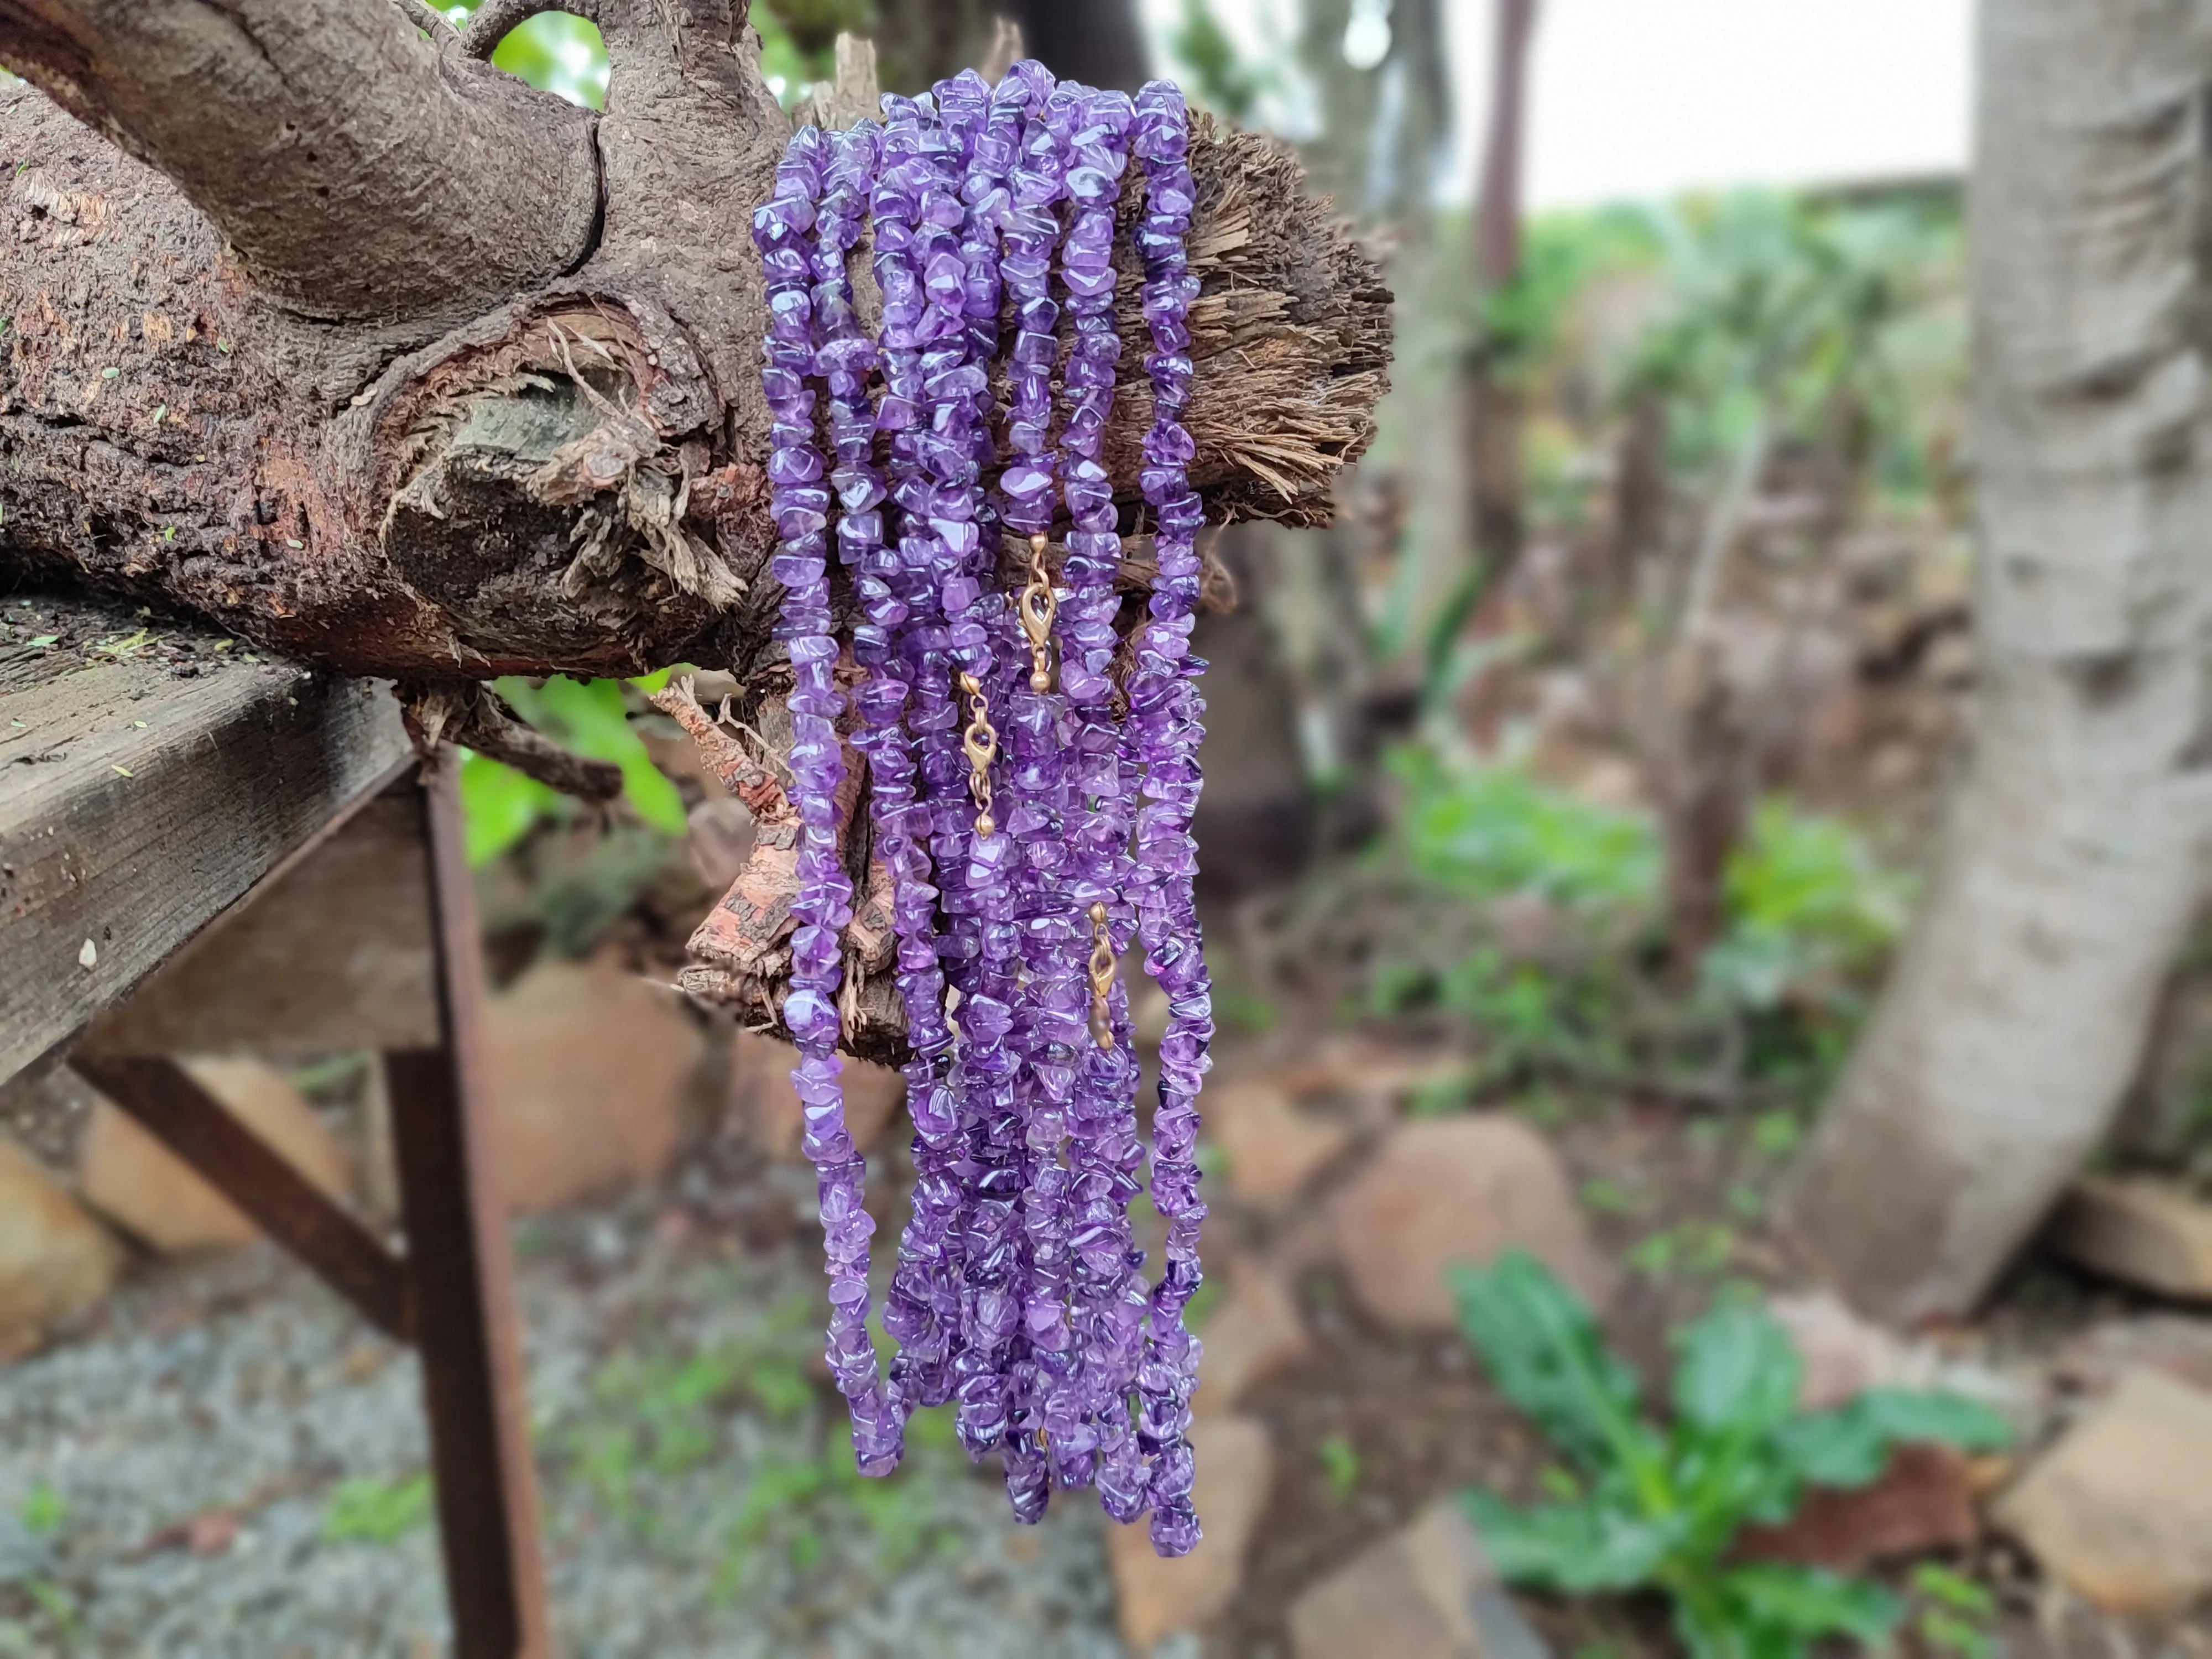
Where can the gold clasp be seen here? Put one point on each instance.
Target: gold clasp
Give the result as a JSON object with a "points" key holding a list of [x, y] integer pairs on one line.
{"points": [[1038, 607], [1102, 978], [980, 740]]}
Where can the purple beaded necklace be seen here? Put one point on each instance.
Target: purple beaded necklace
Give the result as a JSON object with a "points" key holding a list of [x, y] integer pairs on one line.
{"points": [[1017, 875]]}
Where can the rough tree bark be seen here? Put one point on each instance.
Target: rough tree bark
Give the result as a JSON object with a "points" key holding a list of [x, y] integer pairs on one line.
{"points": [[379, 358], [2076, 852], [383, 360]]}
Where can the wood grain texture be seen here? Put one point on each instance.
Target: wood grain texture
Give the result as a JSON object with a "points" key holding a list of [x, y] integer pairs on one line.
{"points": [[333, 954], [136, 807]]}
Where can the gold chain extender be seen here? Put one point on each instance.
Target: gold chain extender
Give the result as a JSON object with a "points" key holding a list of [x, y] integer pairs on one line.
{"points": [[1038, 607], [980, 740], [1102, 978]]}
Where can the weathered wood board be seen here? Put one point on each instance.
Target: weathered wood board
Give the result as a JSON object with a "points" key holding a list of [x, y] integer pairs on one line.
{"points": [[151, 774]]}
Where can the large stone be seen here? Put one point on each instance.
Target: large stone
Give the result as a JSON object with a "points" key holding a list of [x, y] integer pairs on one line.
{"points": [[1274, 1148], [1454, 1190], [55, 1259], [1235, 1466], [1425, 1592], [1253, 1333], [2177, 1344], [2120, 1508], [589, 1069], [138, 1183], [2144, 1233], [763, 1100]]}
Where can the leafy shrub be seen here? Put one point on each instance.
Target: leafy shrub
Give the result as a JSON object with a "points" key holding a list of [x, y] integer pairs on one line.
{"points": [[1530, 916], [590, 718], [1653, 1505], [1807, 902], [1491, 832]]}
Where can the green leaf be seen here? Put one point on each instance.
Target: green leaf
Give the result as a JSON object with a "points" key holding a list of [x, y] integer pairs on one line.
{"points": [[592, 718], [1953, 1590], [1543, 1351], [1593, 1544], [500, 806], [1805, 1603], [1950, 1419], [1843, 1447], [1850, 1445], [1738, 1374]]}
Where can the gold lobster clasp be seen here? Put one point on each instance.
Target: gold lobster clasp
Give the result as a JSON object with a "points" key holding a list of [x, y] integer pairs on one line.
{"points": [[1038, 607]]}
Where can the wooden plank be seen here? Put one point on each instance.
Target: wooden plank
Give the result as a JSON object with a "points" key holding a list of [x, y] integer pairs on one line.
{"points": [[463, 1271], [333, 953], [139, 801], [256, 1177]]}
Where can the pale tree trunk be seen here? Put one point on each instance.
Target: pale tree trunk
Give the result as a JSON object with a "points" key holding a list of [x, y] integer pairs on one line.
{"points": [[2076, 852], [1496, 401]]}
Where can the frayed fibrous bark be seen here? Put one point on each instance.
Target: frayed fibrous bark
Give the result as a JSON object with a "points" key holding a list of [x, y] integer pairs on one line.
{"points": [[486, 403], [323, 329]]}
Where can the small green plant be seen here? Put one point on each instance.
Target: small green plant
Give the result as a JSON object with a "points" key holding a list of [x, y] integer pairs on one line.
{"points": [[1493, 832], [1807, 903], [55, 1604], [1659, 1505], [500, 805], [1339, 1464], [44, 1509], [368, 1510], [1952, 1613]]}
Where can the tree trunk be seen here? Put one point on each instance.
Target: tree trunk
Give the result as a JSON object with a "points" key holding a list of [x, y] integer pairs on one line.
{"points": [[2075, 853], [378, 357], [1098, 42], [1496, 401]]}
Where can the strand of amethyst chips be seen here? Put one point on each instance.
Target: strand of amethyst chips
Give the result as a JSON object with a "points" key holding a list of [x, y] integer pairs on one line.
{"points": [[1028, 835], [1163, 732], [823, 906]]}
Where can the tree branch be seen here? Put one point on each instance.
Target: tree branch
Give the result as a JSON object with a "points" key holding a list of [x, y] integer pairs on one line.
{"points": [[495, 20], [357, 171], [570, 477], [429, 19]]}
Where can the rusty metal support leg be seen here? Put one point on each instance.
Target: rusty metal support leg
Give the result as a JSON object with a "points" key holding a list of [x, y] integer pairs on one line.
{"points": [[245, 1170], [462, 1278]]}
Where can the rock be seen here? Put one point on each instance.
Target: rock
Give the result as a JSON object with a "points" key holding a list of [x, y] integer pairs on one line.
{"points": [[55, 1259], [2143, 1233], [139, 1184], [1273, 1147], [761, 1099], [589, 1067], [2120, 1508], [718, 839], [2172, 1343], [1425, 1592], [1235, 1466], [1844, 1354], [1459, 1189], [1253, 1333], [1923, 1500]]}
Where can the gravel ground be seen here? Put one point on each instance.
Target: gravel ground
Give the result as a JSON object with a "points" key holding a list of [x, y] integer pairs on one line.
{"points": [[228, 1464]]}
